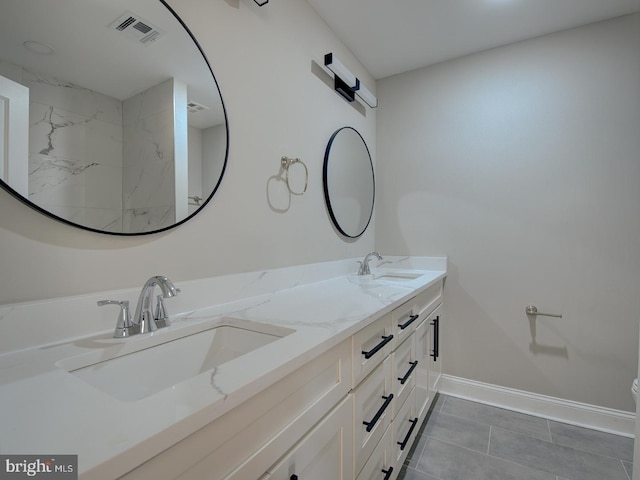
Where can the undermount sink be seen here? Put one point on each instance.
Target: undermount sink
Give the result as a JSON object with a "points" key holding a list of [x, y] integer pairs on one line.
{"points": [[387, 277], [396, 276], [134, 370]]}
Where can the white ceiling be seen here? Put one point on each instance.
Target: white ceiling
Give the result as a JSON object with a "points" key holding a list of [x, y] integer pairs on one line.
{"points": [[391, 37]]}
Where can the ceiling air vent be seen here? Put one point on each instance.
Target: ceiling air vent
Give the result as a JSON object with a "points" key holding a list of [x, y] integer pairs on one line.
{"points": [[136, 28], [193, 107]]}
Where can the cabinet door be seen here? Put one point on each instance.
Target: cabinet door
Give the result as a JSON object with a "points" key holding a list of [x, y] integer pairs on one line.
{"points": [[435, 364], [422, 338], [324, 453]]}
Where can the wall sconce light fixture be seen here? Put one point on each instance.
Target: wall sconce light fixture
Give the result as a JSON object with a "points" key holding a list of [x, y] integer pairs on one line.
{"points": [[346, 83], [261, 3]]}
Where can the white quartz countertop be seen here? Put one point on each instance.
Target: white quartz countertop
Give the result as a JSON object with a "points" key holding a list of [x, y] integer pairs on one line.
{"points": [[46, 410]]}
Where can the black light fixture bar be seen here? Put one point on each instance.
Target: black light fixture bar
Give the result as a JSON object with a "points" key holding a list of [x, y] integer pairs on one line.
{"points": [[345, 90], [346, 83]]}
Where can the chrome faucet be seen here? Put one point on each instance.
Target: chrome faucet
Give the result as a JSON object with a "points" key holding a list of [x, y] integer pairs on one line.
{"points": [[364, 265], [144, 320], [144, 317]]}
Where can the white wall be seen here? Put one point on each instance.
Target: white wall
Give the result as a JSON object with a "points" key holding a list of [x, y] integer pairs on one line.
{"points": [[277, 105], [522, 164]]}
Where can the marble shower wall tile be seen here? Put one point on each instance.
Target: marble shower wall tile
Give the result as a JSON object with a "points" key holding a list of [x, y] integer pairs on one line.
{"points": [[147, 219], [67, 96], [74, 161], [108, 220], [75, 151], [96, 160], [148, 185]]}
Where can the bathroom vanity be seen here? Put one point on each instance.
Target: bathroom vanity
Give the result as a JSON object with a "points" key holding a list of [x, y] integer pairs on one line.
{"points": [[309, 372]]}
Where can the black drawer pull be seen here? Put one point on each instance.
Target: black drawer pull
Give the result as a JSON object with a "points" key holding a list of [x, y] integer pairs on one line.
{"points": [[293, 477], [375, 349], [436, 338], [412, 319], [406, 439], [413, 364], [387, 473], [376, 417]]}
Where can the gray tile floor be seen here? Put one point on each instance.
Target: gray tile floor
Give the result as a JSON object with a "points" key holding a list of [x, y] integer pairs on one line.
{"points": [[464, 440]]}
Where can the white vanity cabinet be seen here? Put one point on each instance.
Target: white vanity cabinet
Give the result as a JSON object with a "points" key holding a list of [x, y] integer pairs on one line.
{"points": [[245, 442], [415, 376], [411, 365], [351, 413]]}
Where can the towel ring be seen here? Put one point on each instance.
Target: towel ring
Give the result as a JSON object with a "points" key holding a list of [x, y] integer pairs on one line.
{"points": [[286, 162]]}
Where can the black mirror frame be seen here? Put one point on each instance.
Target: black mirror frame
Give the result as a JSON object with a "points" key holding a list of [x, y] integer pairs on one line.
{"points": [[330, 209], [29, 203]]}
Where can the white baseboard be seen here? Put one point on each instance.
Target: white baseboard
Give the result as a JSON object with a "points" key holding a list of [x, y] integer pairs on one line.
{"points": [[565, 411]]}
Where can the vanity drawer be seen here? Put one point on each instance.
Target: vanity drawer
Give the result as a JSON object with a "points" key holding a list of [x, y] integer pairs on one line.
{"points": [[372, 406], [380, 464], [428, 300], [370, 346], [405, 318], [403, 374], [404, 431], [245, 442]]}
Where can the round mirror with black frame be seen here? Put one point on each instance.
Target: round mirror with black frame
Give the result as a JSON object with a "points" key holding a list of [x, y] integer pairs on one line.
{"points": [[112, 118], [349, 182]]}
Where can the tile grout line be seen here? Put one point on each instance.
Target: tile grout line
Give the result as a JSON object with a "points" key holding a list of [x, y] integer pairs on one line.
{"points": [[489, 444], [505, 460], [420, 457], [444, 400], [524, 466], [427, 437], [625, 469]]}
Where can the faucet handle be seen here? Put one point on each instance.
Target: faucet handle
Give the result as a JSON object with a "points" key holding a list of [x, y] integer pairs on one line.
{"points": [[161, 316], [124, 326]]}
